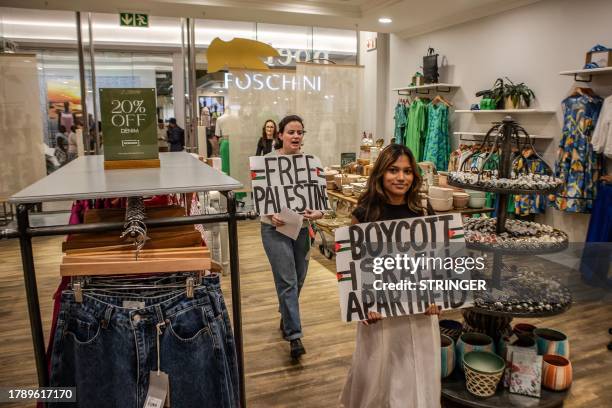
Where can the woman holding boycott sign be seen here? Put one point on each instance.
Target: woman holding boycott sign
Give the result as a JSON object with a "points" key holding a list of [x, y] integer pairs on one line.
{"points": [[288, 257], [397, 360]]}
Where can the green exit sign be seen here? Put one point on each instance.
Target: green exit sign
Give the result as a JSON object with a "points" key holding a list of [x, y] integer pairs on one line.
{"points": [[133, 20]]}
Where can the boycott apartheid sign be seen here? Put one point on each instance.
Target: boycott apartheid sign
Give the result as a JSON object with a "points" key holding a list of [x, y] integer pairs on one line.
{"points": [[294, 181], [400, 267]]}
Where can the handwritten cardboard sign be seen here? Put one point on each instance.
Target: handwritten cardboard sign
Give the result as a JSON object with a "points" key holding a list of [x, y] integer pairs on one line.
{"points": [[296, 182], [415, 251]]}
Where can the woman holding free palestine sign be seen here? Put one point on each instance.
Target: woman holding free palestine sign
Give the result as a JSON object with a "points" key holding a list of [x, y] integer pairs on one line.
{"points": [[397, 360], [288, 257]]}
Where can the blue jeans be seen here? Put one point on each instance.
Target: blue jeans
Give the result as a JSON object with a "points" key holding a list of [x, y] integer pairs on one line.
{"points": [[289, 266], [107, 351]]}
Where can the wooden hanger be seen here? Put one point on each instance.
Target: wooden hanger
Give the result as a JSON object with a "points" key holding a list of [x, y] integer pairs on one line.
{"points": [[122, 262], [440, 98]]}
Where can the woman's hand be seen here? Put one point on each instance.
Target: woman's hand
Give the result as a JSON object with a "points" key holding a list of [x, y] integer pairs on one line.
{"points": [[433, 309], [373, 317], [276, 220], [313, 214]]}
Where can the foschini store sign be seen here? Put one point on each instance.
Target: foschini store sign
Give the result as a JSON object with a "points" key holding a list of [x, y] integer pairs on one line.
{"points": [[272, 82]]}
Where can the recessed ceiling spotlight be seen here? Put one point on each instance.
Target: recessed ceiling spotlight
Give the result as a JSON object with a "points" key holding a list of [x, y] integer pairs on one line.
{"points": [[385, 20]]}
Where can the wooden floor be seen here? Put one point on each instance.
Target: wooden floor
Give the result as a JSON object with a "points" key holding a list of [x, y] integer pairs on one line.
{"points": [[272, 379]]}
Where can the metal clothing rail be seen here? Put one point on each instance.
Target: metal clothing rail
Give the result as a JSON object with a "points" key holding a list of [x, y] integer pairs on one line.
{"points": [[25, 233]]}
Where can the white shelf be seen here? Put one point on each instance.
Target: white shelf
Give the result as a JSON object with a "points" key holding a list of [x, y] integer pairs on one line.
{"points": [[85, 178], [594, 71], [426, 86], [502, 111], [484, 134]]}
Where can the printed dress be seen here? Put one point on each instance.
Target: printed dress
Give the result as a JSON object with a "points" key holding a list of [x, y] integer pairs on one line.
{"points": [[437, 146], [578, 165]]}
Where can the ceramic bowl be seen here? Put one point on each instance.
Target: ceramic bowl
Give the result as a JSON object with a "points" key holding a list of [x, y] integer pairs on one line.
{"points": [[451, 328], [476, 193], [460, 200], [447, 346], [476, 202], [347, 190], [524, 329], [472, 342], [440, 192], [556, 372], [441, 204], [552, 342], [484, 362]]}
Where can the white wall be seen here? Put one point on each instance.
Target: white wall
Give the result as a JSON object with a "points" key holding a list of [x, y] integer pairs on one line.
{"points": [[376, 79], [530, 44]]}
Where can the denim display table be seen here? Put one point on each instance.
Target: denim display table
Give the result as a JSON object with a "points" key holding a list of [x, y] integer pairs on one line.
{"points": [[85, 178]]}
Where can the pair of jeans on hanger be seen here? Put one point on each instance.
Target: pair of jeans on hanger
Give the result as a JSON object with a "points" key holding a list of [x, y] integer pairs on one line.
{"points": [[289, 261], [106, 347]]}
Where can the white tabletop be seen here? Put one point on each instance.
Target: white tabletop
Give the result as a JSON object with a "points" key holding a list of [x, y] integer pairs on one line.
{"points": [[85, 178]]}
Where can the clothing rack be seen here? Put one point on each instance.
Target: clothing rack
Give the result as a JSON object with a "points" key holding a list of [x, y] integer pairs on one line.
{"points": [[85, 178]]}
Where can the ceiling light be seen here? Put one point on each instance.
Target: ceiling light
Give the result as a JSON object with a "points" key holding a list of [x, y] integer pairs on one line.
{"points": [[385, 20]]}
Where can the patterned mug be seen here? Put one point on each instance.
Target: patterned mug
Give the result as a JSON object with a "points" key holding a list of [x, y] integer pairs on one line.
{"points": [[472, 342], [447, 346], [556, 372], [552, 342]]}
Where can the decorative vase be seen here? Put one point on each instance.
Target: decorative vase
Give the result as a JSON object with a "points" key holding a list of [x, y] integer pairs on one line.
{"points": [[451, 328], [472, 342], [524, 329], [556, 372], [509, 103], [483, 371], [448, 355], [552, 342]]}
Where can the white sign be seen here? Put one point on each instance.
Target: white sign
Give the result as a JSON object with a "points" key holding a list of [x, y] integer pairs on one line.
{"points": [[292, 181], [400, 267], [272, 82]]}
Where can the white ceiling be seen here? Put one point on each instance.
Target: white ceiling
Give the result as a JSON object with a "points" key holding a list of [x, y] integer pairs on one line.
{"points": [[410, 17]]}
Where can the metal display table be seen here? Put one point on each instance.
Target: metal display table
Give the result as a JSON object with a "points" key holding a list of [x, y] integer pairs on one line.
{"points": [[85, 178]]}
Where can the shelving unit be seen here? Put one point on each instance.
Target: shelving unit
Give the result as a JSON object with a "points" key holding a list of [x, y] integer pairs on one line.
{"points": [[508, 111], [440, 87], [85, 178], [586, 72]]}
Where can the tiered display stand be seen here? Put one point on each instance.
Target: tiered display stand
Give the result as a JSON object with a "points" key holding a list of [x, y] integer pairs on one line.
{"points": [[495, 319]]}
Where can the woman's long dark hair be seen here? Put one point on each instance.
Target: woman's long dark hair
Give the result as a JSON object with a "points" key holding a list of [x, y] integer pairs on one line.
{"points": [[263, 131], [281, 128], [373, 199]]}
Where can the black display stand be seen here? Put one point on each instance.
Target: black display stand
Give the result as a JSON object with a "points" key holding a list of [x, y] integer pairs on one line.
{"points": [[492, 323]]}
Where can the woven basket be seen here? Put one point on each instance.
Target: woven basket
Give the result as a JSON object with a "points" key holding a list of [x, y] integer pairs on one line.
{"points": [[481, 384], [483, 371]]}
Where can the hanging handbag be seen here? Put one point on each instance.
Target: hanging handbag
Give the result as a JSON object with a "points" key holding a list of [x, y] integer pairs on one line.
{"points": [[430, 67]]}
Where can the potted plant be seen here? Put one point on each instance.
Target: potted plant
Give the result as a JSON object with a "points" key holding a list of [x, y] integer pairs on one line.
{"points": [[517, 96], [492, 98]]}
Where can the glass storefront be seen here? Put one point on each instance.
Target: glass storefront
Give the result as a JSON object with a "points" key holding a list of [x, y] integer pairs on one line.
{"points": [[130, 57]]}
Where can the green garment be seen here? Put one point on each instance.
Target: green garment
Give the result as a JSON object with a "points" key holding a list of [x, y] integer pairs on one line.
{"points": [[225, 156], [415, 131]]}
